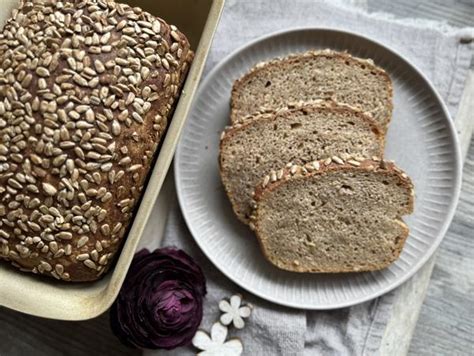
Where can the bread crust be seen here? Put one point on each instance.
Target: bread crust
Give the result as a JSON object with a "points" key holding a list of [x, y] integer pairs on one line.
{"points": [[294, 172], [271, 115], [122, 102], [235, 115]]}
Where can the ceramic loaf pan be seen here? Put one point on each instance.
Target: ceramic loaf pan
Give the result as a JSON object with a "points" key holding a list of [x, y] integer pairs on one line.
{"points": [[58, 300]]}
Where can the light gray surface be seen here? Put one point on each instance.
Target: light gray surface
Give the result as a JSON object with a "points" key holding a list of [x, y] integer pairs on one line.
{"points": [[405, 311], [25, 335], [440, 329], [459, 13], [408, 303], [446, 319], [410, 307], [445, 325]]}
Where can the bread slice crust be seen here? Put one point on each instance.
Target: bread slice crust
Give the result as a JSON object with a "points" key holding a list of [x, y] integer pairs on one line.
{"points": [[267, 118], [296, 172], [237, 113]]}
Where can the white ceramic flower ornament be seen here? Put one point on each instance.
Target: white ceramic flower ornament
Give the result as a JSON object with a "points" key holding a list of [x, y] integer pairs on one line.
{"points": [[216, 344], [234, 312]]}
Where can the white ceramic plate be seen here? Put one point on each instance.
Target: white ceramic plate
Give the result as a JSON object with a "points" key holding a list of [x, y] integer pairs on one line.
{"points": [[421, 139]]}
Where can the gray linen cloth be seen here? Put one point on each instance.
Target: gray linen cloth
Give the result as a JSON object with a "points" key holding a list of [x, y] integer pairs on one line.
{"points": [[274, 330]]}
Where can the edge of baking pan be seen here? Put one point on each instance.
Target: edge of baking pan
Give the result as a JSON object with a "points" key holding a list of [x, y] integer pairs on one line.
{"points": [[86, 301]]}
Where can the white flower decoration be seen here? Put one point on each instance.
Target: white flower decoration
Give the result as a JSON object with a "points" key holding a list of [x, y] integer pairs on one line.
{"points": [[234, 312], [216, 344]]}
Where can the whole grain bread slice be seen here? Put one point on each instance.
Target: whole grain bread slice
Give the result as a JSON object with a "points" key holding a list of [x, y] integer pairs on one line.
{"points": [[334, 216], [314, 75], [300, 134]]}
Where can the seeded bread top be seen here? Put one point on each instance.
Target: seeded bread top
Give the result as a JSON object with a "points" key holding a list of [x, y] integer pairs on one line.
{"points": [[86, 89], [293, 171], [302, 133], [327, 103], [272, 83], [315, 53], [333, 216]]}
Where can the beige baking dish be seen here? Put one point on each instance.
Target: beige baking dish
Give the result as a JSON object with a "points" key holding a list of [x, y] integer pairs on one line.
{"points": [[38, 296]]}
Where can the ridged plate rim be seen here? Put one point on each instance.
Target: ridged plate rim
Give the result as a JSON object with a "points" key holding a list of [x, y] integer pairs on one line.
{"points": [[332, 301]]}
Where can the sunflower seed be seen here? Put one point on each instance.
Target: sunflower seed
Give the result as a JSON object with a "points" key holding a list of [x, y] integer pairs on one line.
{"points": [[117, 228], [68, 250], [49, 189], [45, 266], [82, 257], [156, 26], [42, 72], [106, 167], [175, 36], [337, 160], [116, 128], [82, 241], [134, 167], [94, 255], [53, 246], [90, 264], [103, 260], [273, 176], [59, 268], [64, 235]]}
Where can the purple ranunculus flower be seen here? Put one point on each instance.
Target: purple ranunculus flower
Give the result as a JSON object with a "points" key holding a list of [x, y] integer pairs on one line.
{"points": [[160, 303]]}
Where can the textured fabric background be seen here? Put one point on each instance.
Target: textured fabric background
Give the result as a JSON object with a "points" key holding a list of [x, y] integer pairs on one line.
{"points": [[275, 330]]}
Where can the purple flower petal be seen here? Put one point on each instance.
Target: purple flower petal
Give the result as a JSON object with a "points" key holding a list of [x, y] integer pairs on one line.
{"points": [[160, 303]]}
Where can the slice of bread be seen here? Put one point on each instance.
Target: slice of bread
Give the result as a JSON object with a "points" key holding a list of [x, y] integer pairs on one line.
{"points": [[337, 216], [314, 75], [301, 134]]}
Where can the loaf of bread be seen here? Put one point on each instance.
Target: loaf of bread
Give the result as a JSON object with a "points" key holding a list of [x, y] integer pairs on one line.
{"points": [[334, 216], [314, 75], [267, 141], [86, 90]]}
